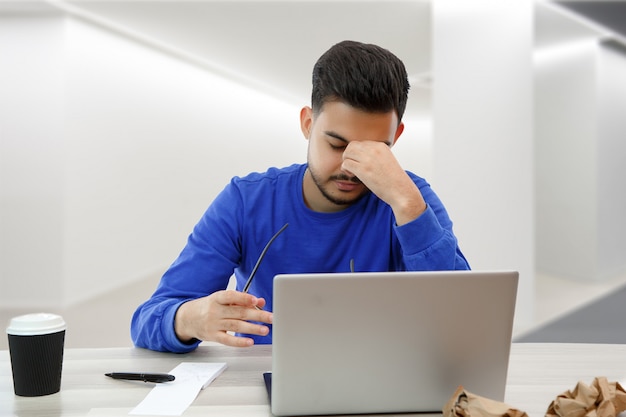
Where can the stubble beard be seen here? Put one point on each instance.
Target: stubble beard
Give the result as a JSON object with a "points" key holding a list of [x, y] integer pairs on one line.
{"points": [[323, 188]]}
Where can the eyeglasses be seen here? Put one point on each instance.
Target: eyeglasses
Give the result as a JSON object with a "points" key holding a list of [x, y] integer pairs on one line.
{"points": [[258, 262]]}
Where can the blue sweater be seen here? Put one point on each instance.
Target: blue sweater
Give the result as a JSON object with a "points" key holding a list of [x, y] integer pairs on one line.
{"points": [[233, 231]]}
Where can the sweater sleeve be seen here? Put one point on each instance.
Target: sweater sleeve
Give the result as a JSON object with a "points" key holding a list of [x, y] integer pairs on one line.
{"points": [[204, 266], [152, 326], [428, 242]]}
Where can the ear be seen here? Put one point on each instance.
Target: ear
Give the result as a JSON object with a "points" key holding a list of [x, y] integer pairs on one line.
{"points": [[399, 131], [306, 121]]}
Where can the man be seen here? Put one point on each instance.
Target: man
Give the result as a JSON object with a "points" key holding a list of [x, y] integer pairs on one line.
{"points": [[350, 204]]}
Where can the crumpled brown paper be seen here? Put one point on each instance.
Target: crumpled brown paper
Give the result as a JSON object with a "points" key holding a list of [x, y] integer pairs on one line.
{"points": [[600, 399], [466, 404]]}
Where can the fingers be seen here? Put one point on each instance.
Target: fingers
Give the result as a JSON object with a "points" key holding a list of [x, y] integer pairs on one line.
{"points": [[235, 313], [234, 341], [378, 169], [373, 164], [229, 339], [240, 303], [214, 317], [368, 159], [238, 298]]}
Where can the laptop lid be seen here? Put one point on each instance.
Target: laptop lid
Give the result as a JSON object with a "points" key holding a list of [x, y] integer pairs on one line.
{"points": [[389, 342]]}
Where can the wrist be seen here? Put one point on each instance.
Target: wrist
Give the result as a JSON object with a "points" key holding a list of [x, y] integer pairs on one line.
{"points": [[408, 210], [180, 328]]}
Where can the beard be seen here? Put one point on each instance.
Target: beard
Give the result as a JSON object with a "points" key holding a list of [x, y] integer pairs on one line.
{"points": [[323, 187]]}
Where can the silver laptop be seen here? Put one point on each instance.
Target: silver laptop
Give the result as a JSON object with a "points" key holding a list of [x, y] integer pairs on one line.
{"points": [[390, 342]]}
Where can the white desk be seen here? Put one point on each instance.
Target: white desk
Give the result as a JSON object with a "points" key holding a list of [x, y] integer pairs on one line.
{"points": [[537, 374]]}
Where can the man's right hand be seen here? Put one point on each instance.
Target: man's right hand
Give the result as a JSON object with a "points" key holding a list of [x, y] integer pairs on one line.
{"points": [[211, 318]]}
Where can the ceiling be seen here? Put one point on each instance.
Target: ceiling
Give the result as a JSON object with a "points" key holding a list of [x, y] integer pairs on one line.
{"points": [[272, 45], [604, 15]]}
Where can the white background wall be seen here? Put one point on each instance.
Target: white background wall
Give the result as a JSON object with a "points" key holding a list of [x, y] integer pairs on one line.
{"points": [[612, 161], [107, 167], [31, 153], [111, 151], [482, 118], [581, 161], [566, 159]]}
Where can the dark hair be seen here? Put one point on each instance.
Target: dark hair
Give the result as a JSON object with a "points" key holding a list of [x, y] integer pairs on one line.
{"points": [[364, 76]]}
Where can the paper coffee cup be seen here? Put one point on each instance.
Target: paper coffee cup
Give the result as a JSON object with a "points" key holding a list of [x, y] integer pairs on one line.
{"points": [[36, 348]]}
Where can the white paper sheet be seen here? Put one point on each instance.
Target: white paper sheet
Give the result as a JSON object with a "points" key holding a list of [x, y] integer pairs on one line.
{"points": [[173, 398]]}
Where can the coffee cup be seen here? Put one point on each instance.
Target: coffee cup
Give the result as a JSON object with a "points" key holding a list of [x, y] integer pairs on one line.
{"points": [[36, 348]]}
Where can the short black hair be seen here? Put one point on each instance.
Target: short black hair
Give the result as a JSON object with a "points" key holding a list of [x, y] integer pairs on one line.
{"points": [[365, 76]]}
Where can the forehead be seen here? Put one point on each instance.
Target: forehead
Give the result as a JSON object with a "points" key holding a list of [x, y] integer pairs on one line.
{"points": [[350, 123]]}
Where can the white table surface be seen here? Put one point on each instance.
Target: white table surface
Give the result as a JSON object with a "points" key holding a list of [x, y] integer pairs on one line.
{"points": [[537, 374]]}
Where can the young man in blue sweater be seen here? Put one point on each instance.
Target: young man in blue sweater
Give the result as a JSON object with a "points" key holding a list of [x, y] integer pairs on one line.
{"points": [[351, 202]]}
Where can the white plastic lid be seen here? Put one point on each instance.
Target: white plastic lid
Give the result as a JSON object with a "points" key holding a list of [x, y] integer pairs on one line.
{"points": [[36, 323]]}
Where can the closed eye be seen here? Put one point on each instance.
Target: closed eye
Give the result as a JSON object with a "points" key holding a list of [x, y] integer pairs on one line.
{"points": [[336, 141]]}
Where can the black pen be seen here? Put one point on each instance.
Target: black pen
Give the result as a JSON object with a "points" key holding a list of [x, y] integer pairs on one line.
{"points": [[132, 376]]}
